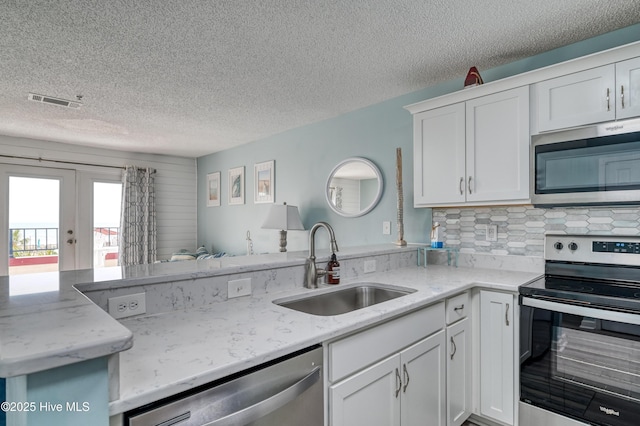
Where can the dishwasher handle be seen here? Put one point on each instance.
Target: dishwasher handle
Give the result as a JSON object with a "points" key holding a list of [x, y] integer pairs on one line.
{"points": [[269, 404]]}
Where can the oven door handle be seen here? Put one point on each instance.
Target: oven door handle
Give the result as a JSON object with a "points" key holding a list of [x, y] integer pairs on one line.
{"points": [[269, 404], [621, 317]]}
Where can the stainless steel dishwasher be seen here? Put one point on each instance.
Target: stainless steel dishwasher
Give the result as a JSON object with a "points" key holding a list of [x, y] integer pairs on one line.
{"points": [[287, 391]]}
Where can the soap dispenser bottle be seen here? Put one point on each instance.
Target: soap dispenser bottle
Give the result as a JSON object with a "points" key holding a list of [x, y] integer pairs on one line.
{"points": [[333, 270]]}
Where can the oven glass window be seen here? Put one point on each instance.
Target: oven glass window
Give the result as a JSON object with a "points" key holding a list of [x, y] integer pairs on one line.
{"points": [[597, 354], [610, 163], [582, 367]]}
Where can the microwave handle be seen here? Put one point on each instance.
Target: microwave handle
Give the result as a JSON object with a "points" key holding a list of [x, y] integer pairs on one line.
{"points": [[585, 311]]}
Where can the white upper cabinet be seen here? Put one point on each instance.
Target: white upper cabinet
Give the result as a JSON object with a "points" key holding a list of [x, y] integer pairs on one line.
{"points": [[439, 156], [474, 152], [576, 99], [498, 147], [628, 88], [595, 95]]}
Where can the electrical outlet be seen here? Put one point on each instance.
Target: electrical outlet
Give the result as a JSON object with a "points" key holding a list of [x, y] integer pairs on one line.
{"points": [[237, 288], [491, 233], [386, 228], [127, 305], [369, 266]]}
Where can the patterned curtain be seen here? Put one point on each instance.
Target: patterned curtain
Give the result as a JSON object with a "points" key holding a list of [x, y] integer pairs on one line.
{"points": [[138, 221]]}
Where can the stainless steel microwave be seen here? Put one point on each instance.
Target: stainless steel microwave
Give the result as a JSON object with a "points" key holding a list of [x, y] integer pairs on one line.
{"points": [[594, 165]]}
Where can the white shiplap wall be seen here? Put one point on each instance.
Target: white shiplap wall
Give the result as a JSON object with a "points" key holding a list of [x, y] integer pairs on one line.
{"points": [[176, 180]]}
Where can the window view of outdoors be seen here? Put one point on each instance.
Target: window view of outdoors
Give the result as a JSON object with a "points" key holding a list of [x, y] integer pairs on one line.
{"points": [[107, 198], [33, 224]]}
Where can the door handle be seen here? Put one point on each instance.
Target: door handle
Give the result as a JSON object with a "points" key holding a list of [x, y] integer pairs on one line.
{"points": [[470, 192], [406, 377], [506, 316], [608, 104], [461, 186], [398, 382], [454, 349], [622, 96]]}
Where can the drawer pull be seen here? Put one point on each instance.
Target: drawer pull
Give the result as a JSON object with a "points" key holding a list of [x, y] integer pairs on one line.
{"points": [[459, 308], [398, 382], [454, 349]]}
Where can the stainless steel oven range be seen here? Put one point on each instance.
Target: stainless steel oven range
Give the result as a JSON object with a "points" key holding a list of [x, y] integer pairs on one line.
{"points": [[580, 334]]}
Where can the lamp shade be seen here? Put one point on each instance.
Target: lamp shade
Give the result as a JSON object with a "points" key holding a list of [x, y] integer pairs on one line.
{"points": [[284, 217]]}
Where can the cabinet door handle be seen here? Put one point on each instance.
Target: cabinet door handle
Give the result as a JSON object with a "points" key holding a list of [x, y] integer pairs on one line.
{"points": [[506, 315], [461, 186], [470, 192], [454, 349], [608, 104], [406, 377], [398, 382], [622, 95]]}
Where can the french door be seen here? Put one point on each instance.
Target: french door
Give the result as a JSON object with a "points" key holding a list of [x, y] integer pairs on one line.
{"points": [[37, 220]]}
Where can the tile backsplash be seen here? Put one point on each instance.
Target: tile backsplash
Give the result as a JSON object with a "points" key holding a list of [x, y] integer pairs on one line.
{"points": [[521, 229]]}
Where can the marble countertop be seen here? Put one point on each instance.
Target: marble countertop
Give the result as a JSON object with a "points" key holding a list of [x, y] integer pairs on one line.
{"points": [[178, 350], [46, 321]]}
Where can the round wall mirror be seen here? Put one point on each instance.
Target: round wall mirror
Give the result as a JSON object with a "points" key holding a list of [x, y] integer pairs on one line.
{"points": [[354, 187]]}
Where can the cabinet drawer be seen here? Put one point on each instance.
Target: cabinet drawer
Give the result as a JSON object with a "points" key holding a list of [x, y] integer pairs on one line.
{"points": [[360, 350], [457, 307]]}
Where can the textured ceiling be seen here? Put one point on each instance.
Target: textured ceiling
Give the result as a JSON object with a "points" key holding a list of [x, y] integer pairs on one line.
{"points": [[192, 77]]}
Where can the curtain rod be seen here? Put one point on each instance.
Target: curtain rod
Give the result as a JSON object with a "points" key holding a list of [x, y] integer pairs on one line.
{"points": [[40, 159]]}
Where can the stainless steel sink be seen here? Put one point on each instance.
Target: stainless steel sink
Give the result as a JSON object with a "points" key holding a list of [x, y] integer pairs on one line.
{"points": [[344, 300]]}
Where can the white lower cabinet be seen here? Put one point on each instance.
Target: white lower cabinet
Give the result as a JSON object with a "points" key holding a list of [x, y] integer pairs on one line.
{"points": [[368, 397], [497, 356], [411, 371], [405, 389], [423, 386], [392, 374], [459, 375]]}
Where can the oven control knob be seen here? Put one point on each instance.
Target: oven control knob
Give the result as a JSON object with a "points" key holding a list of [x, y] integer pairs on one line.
{"points": [[573, 246], [558, 246]]}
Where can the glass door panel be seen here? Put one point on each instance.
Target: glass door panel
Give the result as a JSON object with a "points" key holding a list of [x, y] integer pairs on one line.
{"points": [[34, 207], [38, 220], [107, 198]]}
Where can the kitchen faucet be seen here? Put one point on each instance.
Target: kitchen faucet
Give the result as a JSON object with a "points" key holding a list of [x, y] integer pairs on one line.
{"points": [[311, 272]]}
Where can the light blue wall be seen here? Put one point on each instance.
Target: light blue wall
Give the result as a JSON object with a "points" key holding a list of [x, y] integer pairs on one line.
{"points": [[71, 395], [3, 397], [305, 156]]}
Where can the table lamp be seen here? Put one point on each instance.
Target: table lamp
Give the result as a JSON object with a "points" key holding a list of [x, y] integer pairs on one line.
{"points": [[284, 218]]}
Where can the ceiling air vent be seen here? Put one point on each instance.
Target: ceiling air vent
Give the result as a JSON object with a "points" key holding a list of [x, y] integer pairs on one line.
{"points": [[54, 101]]}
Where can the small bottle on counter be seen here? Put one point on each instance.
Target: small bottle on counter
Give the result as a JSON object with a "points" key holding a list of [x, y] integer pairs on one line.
{"points": [[333, 270]]}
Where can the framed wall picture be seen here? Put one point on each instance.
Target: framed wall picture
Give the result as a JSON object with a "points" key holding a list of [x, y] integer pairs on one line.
{"points": [[264, 183], [213, 189], [236, 186]]}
